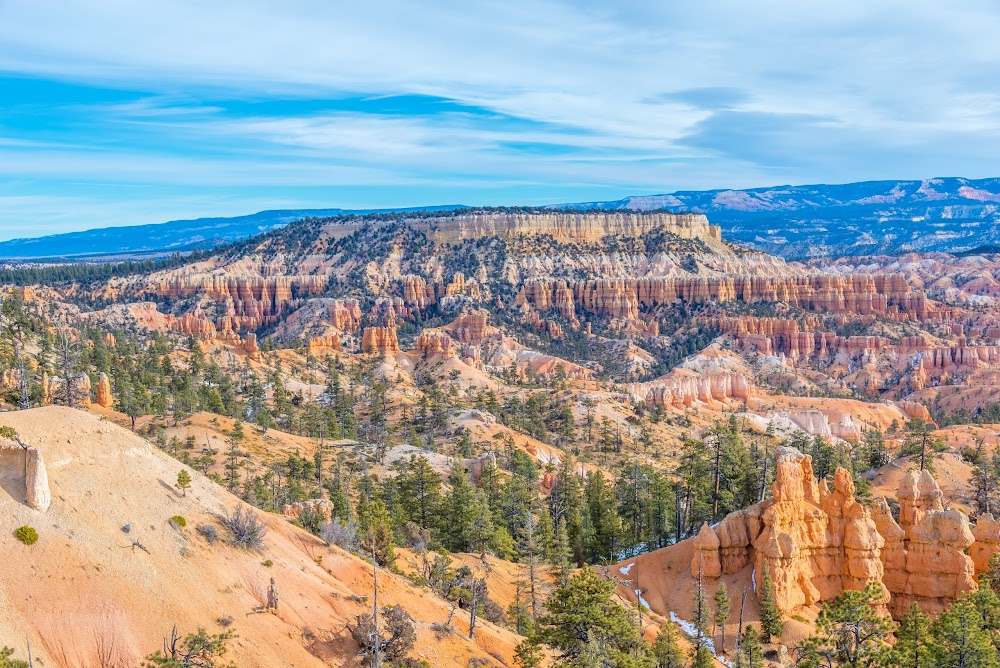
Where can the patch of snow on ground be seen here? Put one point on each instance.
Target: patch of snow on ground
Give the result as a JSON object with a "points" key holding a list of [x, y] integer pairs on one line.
{"points": [[753, 578], [645, 604], [691, 632], [625, 569]]}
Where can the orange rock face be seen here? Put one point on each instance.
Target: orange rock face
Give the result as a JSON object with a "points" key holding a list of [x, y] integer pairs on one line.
{"points": [[816, 542], [250, 302], [434, 343], [680, 388], [104, 397], [379, 340], [621, 298], [319, 344], [251, 348], [345, 314], [925, 556], [470, 327]]}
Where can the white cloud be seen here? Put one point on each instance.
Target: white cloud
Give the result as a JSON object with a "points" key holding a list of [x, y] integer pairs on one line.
{"points": [[903, 89]]}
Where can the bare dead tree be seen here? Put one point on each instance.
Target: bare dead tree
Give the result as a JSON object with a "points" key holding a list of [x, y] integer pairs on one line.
{"points": [[69, 359]]}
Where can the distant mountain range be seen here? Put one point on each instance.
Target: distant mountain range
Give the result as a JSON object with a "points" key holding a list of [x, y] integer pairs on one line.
{"points": [[942, 214], [176, 235]]}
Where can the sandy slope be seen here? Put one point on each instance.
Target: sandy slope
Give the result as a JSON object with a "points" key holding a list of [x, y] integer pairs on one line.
{"points": [[83, 585]]}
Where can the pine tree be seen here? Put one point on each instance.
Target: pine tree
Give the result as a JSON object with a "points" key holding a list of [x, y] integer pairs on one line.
{"points": [[529, 653], [560, 559], [420, 492], [183, 481], [463, 512], [700, 609], [667, 652], [913, 641], [583, 615], [722, 611], [702, 658], [770, 617], [751, 654], [850, 632], [960, 639]]}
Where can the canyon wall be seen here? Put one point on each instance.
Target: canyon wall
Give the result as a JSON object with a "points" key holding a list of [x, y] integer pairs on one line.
{"points": [[622, 298], [817, 541], [566, 227]]}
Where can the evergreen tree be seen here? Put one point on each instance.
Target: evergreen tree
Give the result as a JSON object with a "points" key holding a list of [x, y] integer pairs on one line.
{"points": [[702, 658], [419, 488], [960, 638], [850, 632], [914, 644], [770, 617], [183, 481], [751, 654], [529, 653], [582, 615], [666, 650], [722, 611], [462, 512]]}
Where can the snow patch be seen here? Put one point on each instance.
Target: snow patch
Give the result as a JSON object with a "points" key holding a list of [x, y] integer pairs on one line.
{"points": [[625, 569], [691, 631]]}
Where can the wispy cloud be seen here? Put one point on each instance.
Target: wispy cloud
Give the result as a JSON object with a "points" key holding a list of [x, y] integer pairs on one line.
{"points": [[360, 104]]}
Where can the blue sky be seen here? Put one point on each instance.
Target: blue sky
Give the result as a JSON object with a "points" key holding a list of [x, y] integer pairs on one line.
{"points": [[116, 112]]}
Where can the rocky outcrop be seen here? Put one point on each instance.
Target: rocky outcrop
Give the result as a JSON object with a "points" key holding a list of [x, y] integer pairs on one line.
{"points": [[321, 507], [320, 344], [379, 340], [22, 462], [471, 327], [104, 396], [925, 558], [345, 314], [418, 294], [622, 298], [431, 343], [682, 388], [249, 302], [566, 227], [987, 542], [706, 562], [815, 541], [251, 348]]}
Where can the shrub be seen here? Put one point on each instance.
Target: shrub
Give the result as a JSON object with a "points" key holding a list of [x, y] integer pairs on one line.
{"points": [[247, 528], [178, 521], [342, 534], [27, 535], [267, 563], [208, 532]]}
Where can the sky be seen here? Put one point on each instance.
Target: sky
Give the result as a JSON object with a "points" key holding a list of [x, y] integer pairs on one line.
{"points": [[117, 112]]}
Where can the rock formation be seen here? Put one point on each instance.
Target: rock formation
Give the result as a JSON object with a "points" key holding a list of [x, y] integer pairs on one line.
{"points": [[566, 227], [17, 460], [251, 348], [379, 340], [863, 294], [987, 542], [816, 542], [682, 387], [925, 555], [250, 302], [104, 396], [345, 314], [319, 344]]}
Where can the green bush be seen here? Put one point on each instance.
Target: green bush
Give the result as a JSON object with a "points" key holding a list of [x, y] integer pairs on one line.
{"points": [[27, 535], [179, 521]]}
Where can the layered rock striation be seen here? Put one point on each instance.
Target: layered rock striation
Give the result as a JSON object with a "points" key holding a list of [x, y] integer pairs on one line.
{"points": [[817, 541]]}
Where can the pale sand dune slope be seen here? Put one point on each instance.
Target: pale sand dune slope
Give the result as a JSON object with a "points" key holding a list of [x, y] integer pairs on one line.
{"points": [[84, 586]]}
